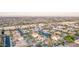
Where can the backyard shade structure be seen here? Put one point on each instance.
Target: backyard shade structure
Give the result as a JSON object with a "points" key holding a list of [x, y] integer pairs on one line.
{"points": [[7, 41]]}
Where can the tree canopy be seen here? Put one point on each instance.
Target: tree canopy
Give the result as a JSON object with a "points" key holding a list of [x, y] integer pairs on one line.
{"points": [[69, 38]]}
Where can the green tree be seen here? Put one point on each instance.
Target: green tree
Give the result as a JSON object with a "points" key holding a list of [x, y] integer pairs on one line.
{"points": [[69, 38]]}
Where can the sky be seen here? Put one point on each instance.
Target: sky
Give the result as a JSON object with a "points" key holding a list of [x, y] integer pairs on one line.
{"points": [[39, 13]]}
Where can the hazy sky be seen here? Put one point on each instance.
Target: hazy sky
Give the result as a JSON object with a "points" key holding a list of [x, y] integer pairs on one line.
{"points": [[39, 13]]}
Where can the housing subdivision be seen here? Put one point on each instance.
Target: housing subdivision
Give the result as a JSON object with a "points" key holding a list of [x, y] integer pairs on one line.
{"points": [[38, 31]]}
